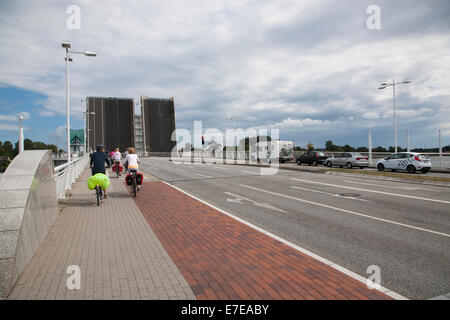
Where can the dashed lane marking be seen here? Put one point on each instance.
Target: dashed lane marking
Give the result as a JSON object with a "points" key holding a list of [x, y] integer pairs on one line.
{"points": [[373, 191], [348, 211]]}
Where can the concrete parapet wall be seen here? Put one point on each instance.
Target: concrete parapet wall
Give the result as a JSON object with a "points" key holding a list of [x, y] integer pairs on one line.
{"points": [[28, 208]]}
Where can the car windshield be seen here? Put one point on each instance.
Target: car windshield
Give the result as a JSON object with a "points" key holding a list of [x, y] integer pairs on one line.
{"points": [[321, 154]]}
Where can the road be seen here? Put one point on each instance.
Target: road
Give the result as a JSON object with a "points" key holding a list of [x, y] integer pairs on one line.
{"points": [[397, 173], [403, 228]]}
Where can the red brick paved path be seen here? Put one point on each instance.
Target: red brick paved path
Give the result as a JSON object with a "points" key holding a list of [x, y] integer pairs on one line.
{"points": [[222, 258]]}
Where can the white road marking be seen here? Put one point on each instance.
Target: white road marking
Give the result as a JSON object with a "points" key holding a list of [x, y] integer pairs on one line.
{"points": [[249, 172], [238, 199], [223, 168], [385, 186], [203, 175], [181, 170], [347, 211], [331, 194], [327, 262], [373, 191]]}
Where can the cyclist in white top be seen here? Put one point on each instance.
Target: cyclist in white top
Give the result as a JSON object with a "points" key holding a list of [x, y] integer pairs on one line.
{"points": [[116, 157], [131, 162]]}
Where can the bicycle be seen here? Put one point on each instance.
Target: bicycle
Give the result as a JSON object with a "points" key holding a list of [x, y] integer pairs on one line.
{"points": [[117, 166], [134, 186], [99, 194]]}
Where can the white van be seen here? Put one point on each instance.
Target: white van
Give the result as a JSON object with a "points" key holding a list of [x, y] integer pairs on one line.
{"points": [[269, 151]]}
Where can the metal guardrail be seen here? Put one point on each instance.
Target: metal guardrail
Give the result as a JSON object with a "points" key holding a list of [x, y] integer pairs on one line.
{"points": [[66, 174], [437, 160]]}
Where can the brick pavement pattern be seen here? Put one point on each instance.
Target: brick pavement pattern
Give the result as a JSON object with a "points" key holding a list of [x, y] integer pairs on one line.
{"points": [[118, 254], [222, 258]]}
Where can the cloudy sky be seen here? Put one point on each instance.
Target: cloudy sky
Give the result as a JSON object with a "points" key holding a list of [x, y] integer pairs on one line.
{"points": [[310, 68]]}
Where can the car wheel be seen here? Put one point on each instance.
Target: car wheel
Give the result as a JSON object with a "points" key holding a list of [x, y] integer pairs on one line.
{"points": [[393, 170], [361, 167], [411, 169], [329, 164], [349, 165], [314, 163], [299, 162], [380, 167], [341, 166], [424, 170]]}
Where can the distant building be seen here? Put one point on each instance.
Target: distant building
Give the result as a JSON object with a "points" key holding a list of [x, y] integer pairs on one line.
{"points": [[77, 141], [110, 122], [158, 124]]}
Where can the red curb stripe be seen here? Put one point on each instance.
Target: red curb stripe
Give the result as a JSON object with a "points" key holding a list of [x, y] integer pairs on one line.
{"points": [[222, 258]]}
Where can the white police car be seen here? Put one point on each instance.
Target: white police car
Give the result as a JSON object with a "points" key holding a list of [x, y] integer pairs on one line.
{"points": [[409, 161]]}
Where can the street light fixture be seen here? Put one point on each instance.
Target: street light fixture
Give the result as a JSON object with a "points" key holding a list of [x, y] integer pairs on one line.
{"points": [[66, 45], [86, 115], [393, 84]]}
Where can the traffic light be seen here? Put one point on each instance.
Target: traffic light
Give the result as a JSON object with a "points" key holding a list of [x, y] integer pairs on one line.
{"points": [[203, 140]]}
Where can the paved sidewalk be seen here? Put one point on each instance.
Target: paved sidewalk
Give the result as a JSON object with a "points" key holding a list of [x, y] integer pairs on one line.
{"points": [[222, 258], [167, 245], [118, 253]]}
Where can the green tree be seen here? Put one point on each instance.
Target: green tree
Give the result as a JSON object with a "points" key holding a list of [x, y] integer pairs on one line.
{"points": [[9, 149], [348, 148], [329, 146], [362, 149], [27, 144], [379, 149]]}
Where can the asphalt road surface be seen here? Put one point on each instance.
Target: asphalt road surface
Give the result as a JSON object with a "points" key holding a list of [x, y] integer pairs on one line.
{"points": [[401, 227]]}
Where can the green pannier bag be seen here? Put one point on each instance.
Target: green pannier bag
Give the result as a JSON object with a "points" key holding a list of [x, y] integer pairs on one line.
{"points": [[100, 179]]}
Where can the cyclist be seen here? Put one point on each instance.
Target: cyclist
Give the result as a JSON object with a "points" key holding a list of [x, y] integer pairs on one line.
{"points": [[125, 155], [98, 160], [117, 156], [110, 155], [131, 162]]}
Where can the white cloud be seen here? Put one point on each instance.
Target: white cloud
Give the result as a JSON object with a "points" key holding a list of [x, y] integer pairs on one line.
{"points": [[262, 60], [371, 115], [11, 127], [297, 123], [15, 117], [8, 118]]}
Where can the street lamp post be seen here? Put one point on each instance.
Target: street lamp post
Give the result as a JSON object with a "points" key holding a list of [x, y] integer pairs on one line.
{"points": [[66, 45], [234, 134], [393, 84], [20, 133], [86, 129]]}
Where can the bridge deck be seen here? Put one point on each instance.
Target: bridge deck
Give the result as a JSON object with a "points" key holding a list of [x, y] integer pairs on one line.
{"points": [[167, 245]]}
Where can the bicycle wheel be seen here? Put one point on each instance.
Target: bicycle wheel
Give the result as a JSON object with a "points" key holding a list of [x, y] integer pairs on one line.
{"points": [[134, 187], [98, 195]]}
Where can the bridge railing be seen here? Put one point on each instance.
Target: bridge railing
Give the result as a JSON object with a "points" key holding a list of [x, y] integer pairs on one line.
{"points": [[232, 156], [66, 174]]}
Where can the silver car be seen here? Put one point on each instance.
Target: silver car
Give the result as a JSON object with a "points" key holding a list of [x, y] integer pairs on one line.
{"points": [[347, 159]]}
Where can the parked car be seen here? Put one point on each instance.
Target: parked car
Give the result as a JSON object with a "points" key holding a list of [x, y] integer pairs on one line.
{"points": [[410, 161], [312, 158], [348, 159]]}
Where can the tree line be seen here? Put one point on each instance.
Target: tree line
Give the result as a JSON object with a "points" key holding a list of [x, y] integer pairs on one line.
{"points": [[330, 146], [10, 150]]}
